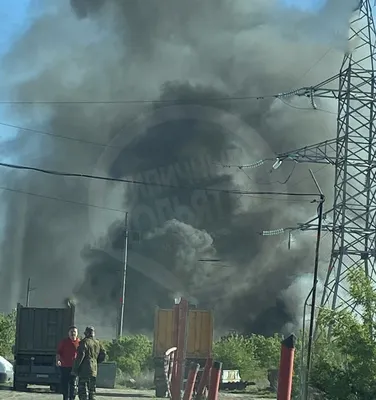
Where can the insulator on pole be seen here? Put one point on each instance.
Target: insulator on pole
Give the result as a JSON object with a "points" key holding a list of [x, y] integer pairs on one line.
{"points": [[273, 233], [277, 164]]}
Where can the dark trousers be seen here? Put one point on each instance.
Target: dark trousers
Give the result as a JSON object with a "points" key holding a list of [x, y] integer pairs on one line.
{"points": [[87, 387], [68, 383]]}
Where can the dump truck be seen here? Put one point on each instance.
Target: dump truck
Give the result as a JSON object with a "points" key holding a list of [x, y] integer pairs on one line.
{"points": [[199, 342], [38, 332]]}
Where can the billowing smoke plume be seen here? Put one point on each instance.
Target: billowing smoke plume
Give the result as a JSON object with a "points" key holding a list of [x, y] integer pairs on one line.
{"points": [[203, 245]]}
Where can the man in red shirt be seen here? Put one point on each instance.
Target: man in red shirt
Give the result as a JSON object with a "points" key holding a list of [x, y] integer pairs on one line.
{"points": [[65, 356]]}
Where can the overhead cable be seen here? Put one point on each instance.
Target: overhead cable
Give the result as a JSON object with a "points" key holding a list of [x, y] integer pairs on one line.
{"points": [[137, 182]]}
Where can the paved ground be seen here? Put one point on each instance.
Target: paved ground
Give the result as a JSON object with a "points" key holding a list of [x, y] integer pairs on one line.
{"points": [[108, 394]]}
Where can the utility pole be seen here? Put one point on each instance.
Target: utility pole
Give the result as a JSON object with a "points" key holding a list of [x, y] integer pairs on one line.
{"points": [[124, 280], [314, 287], [28, 290], [28, 293]]}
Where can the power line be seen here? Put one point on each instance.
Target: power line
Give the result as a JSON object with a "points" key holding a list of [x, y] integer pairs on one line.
{"points": [[170, 101], [40, 132], [277, 161], [241, 167], [144, 101], [85, 141], [303, 179], [279, 96], [290, 175], [111, 208], [313, 65], [176, 101], [60, 199], [256, 164], [269, 183], [137, 182], [306, 108]]}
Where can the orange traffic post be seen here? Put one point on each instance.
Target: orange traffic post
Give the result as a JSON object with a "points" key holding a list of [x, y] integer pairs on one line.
{"points": [[204, 381], [215, 379], [190, 385], [286, 368]]}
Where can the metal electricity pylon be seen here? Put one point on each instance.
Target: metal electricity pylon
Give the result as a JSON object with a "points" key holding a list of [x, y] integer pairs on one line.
{"points": [[353, 154]]}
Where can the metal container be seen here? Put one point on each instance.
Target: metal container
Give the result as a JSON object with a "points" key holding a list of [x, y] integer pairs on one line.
{"points": [[106, 375]]}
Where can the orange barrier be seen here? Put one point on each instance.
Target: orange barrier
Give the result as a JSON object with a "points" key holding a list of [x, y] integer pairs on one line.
{"points": [[286, 368]]}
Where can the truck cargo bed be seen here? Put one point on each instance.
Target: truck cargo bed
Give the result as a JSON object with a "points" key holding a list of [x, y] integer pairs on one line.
{"points": [[199, 337], [40, 329], [38, 333]]}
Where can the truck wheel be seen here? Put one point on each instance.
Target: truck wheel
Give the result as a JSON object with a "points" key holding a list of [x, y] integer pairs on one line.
{"points": [[160, 392], [19, 386]]}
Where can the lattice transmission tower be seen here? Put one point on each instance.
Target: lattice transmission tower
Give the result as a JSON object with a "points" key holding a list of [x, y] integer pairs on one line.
{"points": [[352, 219]]}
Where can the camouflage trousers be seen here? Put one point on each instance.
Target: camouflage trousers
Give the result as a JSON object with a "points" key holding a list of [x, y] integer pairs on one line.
{"points": [[86, 388]]}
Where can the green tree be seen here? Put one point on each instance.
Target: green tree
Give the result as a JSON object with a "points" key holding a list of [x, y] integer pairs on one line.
{"points": [[267, 350], [133, 354], [7, 334], [345, 367], [237, 352]]}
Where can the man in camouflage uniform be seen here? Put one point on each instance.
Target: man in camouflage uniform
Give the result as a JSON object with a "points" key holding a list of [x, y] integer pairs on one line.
{"points": [[89, 354]]}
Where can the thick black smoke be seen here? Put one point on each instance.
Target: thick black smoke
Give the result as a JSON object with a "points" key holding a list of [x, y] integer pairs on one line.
{"points": [[192, 51]]}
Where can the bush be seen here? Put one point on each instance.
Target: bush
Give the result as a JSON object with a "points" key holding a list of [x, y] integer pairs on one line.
{"points": [[133, 354], [236, 352], [7, 334], [251, 355], [267, 350], [345, 367]]}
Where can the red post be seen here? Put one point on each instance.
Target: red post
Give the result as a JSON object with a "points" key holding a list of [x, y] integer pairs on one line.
{"points": [[190, 385], [215, 379], [180, 334], [286, 368], [204, 381], [175, 333]]}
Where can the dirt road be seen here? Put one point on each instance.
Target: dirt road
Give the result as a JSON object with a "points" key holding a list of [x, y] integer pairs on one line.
{"points": [[107, 394]]}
